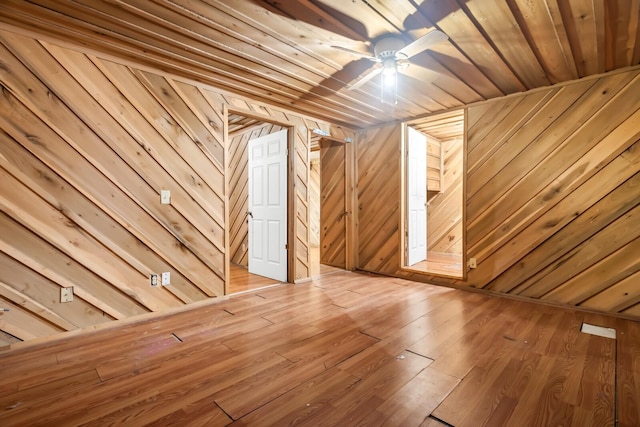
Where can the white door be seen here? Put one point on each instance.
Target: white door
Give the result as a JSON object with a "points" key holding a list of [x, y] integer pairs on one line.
{"points": [[417, 196], [268, 206]]}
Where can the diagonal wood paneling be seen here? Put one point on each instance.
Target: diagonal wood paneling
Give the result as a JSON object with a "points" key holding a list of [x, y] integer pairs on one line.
{"points": [[86, 146], [378, 181], [595, 124], [332, 204], [444, 221], [552, 196], [559, 224]]}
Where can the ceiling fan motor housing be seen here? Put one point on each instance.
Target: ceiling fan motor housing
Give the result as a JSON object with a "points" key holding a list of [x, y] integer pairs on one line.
{"points": [[387, 47]]}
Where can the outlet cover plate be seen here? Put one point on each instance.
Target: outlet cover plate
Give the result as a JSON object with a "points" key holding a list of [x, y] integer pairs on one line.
{"points": [[153, 279], [166, 278], [66, 294], [165, 197]]}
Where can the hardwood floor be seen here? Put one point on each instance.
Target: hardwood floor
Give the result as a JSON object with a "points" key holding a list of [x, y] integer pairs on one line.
{"points": [[440, 263], [242, 280], [344, 349], [316, 268]]}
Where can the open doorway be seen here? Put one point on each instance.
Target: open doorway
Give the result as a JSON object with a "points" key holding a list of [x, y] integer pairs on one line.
{"points": [[434, 172], [328, 205], [258, 203]]}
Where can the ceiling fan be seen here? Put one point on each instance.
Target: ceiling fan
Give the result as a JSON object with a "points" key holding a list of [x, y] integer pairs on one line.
{"points": [[391, 55]]}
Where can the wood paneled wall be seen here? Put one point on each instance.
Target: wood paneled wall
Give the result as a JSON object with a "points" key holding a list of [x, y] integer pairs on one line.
{"points": [[444, 214], [314, 200], [333, 203], [86, 146], [552, 195], [378, 187], [434, 165]]}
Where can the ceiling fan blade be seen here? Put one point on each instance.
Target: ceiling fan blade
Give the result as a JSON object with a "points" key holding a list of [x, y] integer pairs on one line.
{"points": [[423, 43], [365, 78], [420, 73], [355, 52]]}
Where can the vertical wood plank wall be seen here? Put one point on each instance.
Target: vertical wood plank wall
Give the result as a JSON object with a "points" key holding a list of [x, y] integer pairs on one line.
{"points": [[552, 195], [86, 146], [445, 207]]}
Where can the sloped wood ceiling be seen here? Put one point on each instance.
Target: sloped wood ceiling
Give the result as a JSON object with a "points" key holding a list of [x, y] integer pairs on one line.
{"points": [[281, 51], [552, 196]]}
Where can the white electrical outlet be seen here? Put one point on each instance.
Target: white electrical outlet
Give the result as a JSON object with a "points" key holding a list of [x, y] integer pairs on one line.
{"points": [[66, 294], [166, 278], [153, 279], [472, 263], [165, 197]]}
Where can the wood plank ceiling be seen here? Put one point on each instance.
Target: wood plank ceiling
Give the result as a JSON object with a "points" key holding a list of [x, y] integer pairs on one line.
{"points": [[283, 52]]}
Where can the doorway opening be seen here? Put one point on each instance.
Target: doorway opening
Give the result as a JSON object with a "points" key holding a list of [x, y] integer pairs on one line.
{"points": [[328, 205], [258, 183], [434, 206]]}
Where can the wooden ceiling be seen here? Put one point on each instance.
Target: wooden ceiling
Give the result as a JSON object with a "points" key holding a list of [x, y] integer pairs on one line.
{"points": [[282, 52], [443, 126]]}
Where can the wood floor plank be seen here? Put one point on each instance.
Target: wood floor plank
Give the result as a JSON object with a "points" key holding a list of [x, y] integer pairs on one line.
{"points": [[145, 401], [246, 396], [56, 389], [404, 338], [331, 346], [473, 391], [300, 404], [204, 413], [381, 384], [314, 311], [415, 401], [628, 387]]}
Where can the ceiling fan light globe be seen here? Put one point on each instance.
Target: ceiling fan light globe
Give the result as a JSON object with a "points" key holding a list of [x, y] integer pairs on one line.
{"points": [[388, 80], [389, 67]]}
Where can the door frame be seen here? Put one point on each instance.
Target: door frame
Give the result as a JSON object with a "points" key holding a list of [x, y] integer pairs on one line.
{"points": [[402, 214], [410, 177], [291, 240]]}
